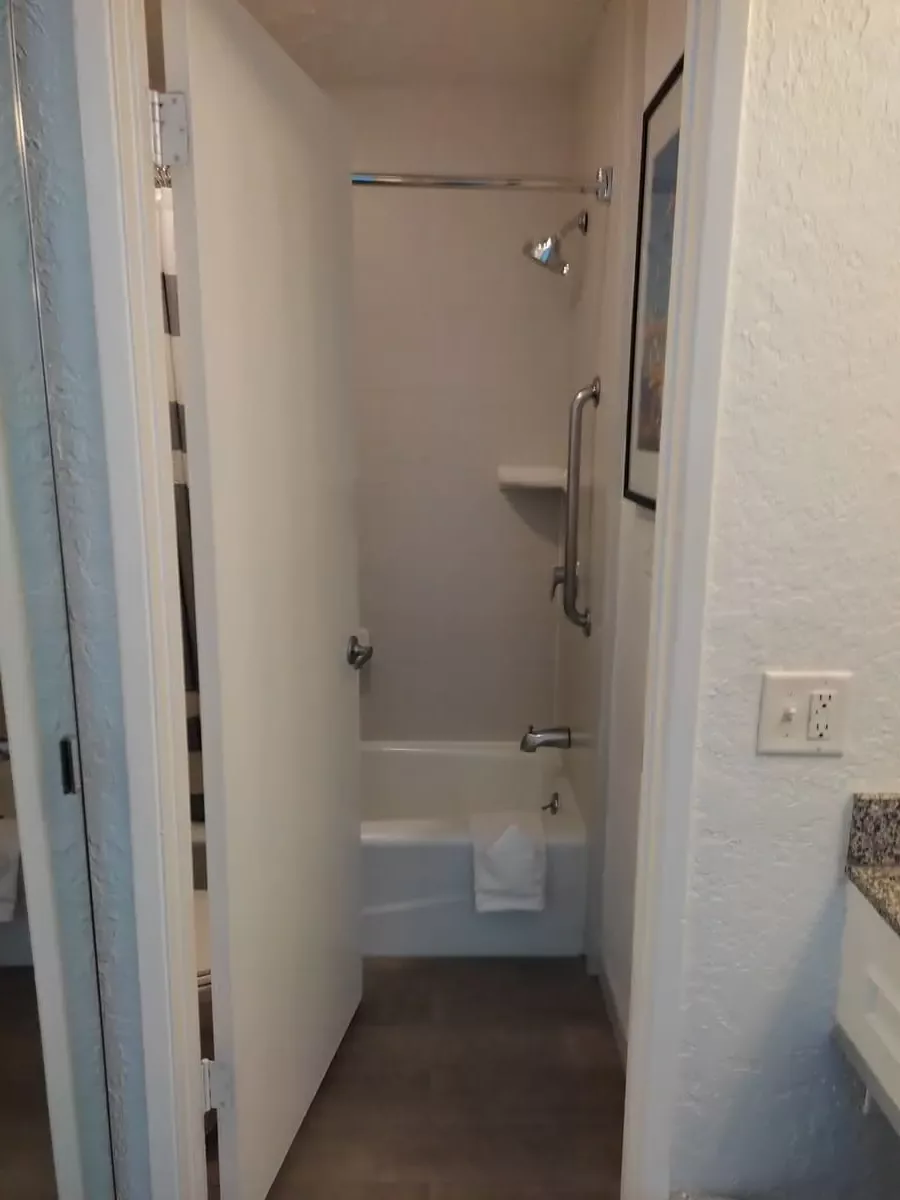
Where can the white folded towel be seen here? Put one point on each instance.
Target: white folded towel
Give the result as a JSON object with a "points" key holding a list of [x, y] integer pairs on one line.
{"points": [[9, 868], [510, 861]]}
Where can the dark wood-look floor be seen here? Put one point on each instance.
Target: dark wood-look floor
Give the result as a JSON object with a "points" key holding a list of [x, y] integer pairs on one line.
{"points": [[467, 1080], [26, 1151]]}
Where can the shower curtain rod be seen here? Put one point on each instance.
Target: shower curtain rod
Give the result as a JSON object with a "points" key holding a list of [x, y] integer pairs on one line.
{"points": [[600, 186]]}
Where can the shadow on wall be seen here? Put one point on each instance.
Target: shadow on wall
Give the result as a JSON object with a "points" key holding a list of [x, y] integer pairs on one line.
{"points": [[542, 513], [786, 1121]]}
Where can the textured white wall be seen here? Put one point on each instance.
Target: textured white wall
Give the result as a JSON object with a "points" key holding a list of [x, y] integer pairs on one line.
{"points": [[78, 486], [804, 572], [462, 362]]}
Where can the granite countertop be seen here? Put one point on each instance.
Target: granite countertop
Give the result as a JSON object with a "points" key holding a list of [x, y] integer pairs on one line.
{"points": [[881, 887], [873, 861]]}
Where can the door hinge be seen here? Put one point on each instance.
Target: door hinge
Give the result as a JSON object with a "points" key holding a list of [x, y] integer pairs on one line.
{"points": [[69, 766], [171, 316], [168, 117], [215, 1081]]}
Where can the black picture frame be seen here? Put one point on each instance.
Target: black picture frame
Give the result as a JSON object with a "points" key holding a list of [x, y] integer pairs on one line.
{"points": [[631, 491]]}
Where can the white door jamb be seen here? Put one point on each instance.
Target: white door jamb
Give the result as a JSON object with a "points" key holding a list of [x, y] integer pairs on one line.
{"points": [[708, 161], [113, 85]]}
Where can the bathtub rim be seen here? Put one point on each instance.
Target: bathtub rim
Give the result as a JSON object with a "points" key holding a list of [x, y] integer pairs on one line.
{"points": [[428, 747], [443, 825]]}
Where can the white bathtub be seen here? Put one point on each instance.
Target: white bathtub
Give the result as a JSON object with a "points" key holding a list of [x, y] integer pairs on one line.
{"points": [[417, 854]]}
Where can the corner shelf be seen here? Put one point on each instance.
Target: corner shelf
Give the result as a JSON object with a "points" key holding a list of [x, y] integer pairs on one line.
{"points": [[540, 479]]}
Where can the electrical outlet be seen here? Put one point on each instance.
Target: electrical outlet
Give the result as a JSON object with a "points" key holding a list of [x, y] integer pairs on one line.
{"points": [[803, 712], [821, 708]]}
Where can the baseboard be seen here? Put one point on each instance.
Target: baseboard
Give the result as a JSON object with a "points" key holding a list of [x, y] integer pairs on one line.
{"points": [[597, 969]]}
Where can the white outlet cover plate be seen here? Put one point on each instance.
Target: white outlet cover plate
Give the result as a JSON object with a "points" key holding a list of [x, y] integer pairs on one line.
{"points": [[784, 712]]}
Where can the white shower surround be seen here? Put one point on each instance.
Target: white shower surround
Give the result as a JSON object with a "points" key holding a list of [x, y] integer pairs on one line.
{"points": [[418, 896]]}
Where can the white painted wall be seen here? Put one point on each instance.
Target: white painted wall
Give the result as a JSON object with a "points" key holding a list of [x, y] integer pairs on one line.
{"points": [[462, 362], [608, 108], [803, 572], [663, 46], [603, 681]]}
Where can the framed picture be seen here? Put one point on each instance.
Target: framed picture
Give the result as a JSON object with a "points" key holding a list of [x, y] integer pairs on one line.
{"points": [[652, 278]]}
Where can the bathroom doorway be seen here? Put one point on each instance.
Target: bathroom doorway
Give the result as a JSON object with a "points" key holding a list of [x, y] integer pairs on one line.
{"points": [[468, 868], [450, 888]]}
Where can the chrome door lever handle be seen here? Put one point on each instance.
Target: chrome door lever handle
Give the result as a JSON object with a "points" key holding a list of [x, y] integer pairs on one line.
{"points": [[358, 654]]}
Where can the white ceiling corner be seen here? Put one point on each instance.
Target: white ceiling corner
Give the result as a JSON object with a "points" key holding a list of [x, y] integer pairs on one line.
{"points": [[340, 42]]}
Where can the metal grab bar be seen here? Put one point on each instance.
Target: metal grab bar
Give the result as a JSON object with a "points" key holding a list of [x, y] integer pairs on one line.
{"points": [[567, 574]]}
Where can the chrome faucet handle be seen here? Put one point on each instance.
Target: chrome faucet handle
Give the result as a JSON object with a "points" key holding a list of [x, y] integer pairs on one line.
{"points": [[559, 578], [358, 654]]}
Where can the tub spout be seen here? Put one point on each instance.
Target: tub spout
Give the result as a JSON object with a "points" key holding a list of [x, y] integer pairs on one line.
{"points": [[559, 738]]}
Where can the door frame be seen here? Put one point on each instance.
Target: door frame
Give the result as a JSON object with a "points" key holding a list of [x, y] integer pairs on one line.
{"points": [[715, 56], [39, 614], [26, 740], [113, 88], [113, 82]]}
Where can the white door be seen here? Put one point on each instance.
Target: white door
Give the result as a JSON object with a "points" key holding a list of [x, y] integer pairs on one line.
{"points": [[263, 234]]}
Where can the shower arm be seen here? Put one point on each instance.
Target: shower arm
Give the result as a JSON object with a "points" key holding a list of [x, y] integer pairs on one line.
{"points": [[579, 221]]}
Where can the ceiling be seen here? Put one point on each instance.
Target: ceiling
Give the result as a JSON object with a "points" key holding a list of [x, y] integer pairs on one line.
{"points": [[434, 41]]}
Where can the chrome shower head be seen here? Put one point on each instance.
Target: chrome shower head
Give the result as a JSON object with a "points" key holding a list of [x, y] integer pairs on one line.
{"points": [[547, 252]]}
